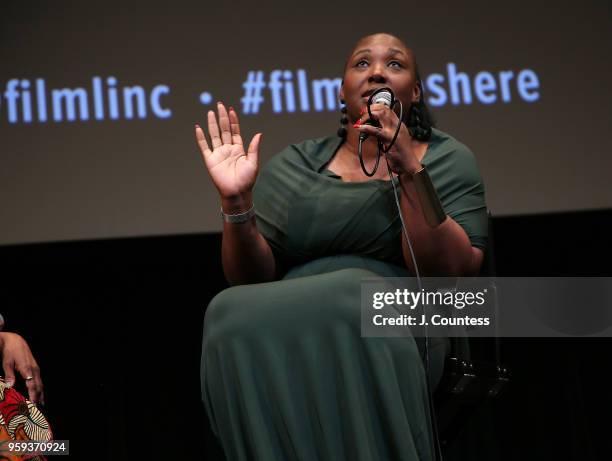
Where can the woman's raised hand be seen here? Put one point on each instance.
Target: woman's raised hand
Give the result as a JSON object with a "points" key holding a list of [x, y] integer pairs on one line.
{"points": [[232, 170]]}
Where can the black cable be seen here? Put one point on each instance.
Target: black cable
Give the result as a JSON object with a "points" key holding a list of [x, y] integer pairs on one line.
{"points": [[380, 144], [435, 442], [363, 167], [399, 125]]}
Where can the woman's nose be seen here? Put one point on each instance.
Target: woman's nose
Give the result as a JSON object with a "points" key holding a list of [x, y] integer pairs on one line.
{"points": [[377, 74]]}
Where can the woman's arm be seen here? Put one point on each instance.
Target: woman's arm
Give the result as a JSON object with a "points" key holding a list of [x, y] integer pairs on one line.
{"points": [[444, 250], [246, 256]]}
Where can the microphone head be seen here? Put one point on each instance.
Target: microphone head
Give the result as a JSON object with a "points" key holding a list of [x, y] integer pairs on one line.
{"points": [[384, 96]]}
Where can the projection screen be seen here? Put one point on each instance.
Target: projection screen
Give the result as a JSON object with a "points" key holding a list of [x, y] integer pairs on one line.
{"points": [[98, 101]]}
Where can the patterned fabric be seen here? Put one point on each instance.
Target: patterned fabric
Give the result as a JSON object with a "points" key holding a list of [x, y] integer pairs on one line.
{"points": [[20, 420]]}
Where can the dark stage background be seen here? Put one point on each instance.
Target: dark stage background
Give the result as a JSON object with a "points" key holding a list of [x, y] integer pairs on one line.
{"points": [[117, 328]]}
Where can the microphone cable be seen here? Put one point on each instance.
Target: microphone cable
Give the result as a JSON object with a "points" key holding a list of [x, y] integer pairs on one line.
{"points": [[392, 102], [436, 448]]}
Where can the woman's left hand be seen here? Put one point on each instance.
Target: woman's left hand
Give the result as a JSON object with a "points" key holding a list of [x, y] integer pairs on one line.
{"points": [[16, 356], [401, 156]]}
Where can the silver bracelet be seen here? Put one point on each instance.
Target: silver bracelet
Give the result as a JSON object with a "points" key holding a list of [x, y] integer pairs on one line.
{"points": [[238, 218]]}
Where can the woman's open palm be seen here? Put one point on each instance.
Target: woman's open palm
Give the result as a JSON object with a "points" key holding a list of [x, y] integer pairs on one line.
{"points": [[232, 170]]}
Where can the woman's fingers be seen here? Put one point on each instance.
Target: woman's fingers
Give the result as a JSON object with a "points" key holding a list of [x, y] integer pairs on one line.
{"points": [[31, 376], [253, 151], [213, 130], [17, 356], [35, 386], [224, 131], [224, 123], [235, 126], [385, 116], [202, 143], [370, 130], [8, 366], [382, 113]]}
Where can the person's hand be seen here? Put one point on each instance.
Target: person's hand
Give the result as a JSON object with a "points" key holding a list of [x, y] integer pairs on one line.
{"points": [[401, 156], [232, 170], [16, 356]]}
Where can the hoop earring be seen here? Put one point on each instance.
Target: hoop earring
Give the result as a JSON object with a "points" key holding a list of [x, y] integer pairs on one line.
{"points": [[343, 120], [417, 129]]}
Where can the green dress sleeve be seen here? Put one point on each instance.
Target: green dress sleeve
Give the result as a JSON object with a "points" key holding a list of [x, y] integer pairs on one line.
{"points": [[454, 172]]}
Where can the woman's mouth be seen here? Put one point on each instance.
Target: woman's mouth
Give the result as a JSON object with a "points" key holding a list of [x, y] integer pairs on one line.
{"points": [[369, 92]]}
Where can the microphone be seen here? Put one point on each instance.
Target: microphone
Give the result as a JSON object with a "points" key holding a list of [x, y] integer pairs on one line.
{"points": [[383, 96], [380, 96]]}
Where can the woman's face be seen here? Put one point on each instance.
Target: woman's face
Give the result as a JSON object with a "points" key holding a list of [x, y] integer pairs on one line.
{"points": [[377, 61]]}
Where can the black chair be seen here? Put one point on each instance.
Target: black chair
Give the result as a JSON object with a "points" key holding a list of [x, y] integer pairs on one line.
{"points": [[473, 374]]}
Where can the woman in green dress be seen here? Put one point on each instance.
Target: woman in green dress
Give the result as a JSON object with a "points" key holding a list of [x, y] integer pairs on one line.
{"points": [[286, 374]]}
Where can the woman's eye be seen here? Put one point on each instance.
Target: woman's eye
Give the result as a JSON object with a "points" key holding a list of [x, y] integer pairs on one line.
{"points": [[395, 64], [361, 63]]}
